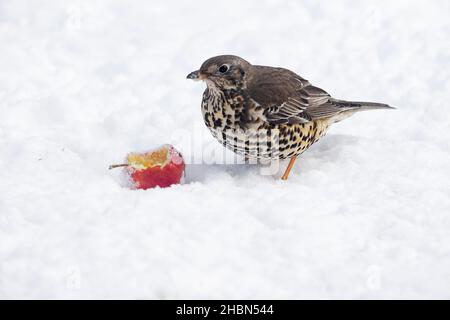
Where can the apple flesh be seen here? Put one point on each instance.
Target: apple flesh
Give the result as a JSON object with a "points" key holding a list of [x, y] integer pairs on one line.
{"points": [[162, 167]]}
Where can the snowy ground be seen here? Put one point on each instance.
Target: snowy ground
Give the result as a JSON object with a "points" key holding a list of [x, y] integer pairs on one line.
{"points": [[365, 214]]}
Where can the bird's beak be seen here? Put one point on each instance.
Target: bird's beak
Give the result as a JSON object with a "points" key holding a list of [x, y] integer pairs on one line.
{"points": [[196, 75]]}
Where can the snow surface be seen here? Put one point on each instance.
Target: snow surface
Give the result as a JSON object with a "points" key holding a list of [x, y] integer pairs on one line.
{"points": [[365, 214]]}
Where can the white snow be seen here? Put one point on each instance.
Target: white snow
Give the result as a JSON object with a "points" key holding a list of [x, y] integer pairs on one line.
{"points": [[365, 214]]}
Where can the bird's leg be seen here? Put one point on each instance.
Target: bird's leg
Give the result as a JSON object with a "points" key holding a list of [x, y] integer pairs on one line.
{"points": [[288, 169]]}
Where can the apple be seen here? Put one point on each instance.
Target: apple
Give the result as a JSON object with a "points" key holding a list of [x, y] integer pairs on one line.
{"points": [[161, 167]]}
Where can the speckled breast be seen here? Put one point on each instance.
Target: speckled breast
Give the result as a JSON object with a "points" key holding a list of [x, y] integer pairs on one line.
{"points": [[226, 116]]}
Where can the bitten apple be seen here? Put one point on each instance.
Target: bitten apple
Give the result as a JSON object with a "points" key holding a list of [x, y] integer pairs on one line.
{"points": [[161, 167]]}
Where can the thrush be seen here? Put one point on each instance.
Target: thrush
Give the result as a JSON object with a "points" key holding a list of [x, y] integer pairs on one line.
{"points": [[267, 113]]}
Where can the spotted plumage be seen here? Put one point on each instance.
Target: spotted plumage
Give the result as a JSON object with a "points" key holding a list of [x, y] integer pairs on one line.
{"points": [[264, 112]]}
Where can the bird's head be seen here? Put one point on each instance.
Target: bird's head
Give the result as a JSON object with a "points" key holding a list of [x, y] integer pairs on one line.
{"points": [[222, 72]]}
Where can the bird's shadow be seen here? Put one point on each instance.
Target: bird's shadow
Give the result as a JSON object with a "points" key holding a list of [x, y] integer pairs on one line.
{"points": [[332, 143], [203, 172], [326, 150]]}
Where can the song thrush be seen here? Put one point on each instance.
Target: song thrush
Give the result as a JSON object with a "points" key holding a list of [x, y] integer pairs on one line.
{"points": [[265, 112]]}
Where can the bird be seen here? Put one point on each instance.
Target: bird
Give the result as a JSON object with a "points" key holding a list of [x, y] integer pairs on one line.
{"points": [[267, 113]]}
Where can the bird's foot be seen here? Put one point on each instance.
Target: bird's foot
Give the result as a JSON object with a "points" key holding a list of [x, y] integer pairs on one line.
{"points": [[288, 169]]}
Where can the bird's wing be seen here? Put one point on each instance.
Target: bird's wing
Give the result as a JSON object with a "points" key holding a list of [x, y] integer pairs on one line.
{"points": [[288, 98]]}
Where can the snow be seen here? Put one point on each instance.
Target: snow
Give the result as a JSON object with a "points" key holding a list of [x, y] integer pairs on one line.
{"points": [[365, 213]]}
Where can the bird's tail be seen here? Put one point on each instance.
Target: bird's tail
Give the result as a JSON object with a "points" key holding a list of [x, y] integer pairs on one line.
{"points": [[361, 106], [348, 108]]}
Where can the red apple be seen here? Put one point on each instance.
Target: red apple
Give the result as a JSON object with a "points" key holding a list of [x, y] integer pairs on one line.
{"points": [[162, 167]]}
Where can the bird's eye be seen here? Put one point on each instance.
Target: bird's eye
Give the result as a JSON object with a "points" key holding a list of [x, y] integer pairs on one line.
{"points": [[223, 68]]}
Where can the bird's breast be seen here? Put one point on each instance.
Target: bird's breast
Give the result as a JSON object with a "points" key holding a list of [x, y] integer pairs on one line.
{"points": [[221, 110], [240, 125]]}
